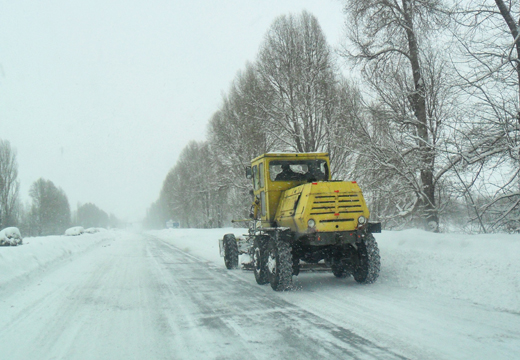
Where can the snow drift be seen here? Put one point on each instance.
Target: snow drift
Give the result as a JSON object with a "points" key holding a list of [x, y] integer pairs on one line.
{"points": [[39, 252]]}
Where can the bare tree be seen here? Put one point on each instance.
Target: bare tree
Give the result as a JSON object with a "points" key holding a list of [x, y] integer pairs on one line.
{"points": [[237, 133], [190, 192], [488, 40], [389, 39], [291, 99], [9, 185], [296, 67]]}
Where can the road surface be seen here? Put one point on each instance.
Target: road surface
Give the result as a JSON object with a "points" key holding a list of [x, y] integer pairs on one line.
{"points": [[139, 297]]}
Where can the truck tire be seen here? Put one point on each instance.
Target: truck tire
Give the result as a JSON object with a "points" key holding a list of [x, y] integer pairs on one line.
{"points": [[367, 269], [230, 251], [279, 263], [260, 260]]}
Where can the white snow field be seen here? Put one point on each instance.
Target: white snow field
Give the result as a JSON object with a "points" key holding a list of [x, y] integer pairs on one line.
{"points": [[167, 295], [38, 253]]}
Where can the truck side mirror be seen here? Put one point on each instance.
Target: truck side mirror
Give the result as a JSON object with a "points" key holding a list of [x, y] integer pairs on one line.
{"points": [[249, 173]]}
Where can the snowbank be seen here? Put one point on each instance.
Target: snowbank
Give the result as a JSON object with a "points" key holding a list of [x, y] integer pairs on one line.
{"points": [[38, 252], [482, 269]]}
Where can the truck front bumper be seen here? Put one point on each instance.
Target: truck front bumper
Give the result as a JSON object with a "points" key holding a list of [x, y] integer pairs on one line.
{"points": [[339, 237]]}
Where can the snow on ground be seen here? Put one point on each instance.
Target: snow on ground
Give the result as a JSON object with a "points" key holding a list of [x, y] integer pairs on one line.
{"points": [[439, 296], [482, 269], [38, 252]]}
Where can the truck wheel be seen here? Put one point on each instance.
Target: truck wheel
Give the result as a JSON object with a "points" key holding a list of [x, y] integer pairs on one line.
{"points": [[230, 251], [279, 264], [260, 260], [367, 269]]}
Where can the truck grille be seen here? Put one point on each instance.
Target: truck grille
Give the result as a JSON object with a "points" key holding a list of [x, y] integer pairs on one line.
{"points": [[336, 204], [335, 220]]}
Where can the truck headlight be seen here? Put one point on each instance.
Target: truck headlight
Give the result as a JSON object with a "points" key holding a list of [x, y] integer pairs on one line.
{"points": [[361, 220], [311, 223]]}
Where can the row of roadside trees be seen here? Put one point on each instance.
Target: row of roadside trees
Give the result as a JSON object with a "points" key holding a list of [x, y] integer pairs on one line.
{"points": [[429, 125], [48, 212]]}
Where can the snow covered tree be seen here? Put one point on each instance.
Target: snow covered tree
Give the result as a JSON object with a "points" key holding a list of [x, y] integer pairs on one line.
{"points": [[190, 191], [89, 215], [237, 133], [9, 185], [50, 210], [390, 40], [296, 67], [487, 39], [156, 215], [292, 98]]}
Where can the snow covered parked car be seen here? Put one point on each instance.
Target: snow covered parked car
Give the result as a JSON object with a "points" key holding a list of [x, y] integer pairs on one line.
{"points": [[94, 230], [74, 231], [10, 237]]}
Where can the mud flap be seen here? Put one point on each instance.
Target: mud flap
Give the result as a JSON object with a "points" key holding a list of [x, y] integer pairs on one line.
{"points": [[221, 247], [374, 228]]}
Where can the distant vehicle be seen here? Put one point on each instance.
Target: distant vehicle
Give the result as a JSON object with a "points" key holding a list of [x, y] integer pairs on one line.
{"points": [[10, 237], [170, 224], [92, 230], [300, 213], [74, 231]]}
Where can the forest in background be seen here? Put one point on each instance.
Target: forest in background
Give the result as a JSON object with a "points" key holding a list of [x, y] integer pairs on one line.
{"points": [[48, 212], [426, 118]]}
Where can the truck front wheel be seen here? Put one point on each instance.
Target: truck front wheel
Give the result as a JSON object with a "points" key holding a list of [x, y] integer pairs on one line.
{"points": [[279, 264], [260, 260], [369, 262]]}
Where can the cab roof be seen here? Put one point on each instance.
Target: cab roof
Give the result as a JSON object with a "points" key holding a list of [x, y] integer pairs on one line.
{"points": [[311, 155]]}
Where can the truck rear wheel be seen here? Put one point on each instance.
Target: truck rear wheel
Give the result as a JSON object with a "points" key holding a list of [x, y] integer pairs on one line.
{"points": [[367, 269], [230, 251], [260, 260], [279, 263]]}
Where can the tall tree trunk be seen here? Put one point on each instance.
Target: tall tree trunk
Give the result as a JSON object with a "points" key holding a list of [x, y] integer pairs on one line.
{"points": [[513, 28], [418, 100]]}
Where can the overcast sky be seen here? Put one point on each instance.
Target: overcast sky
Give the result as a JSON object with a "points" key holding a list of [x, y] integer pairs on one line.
{"points": [[101, 96]]}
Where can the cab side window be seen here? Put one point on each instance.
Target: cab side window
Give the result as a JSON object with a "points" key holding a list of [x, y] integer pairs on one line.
{"points": [[262, 203], [261, 175], [256, 183]]}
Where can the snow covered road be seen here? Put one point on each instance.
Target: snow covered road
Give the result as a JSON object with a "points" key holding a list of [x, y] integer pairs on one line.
{"points": [[167, 295], [141, 298]]}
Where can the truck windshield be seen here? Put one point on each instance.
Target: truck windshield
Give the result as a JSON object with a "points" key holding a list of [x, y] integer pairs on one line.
{"points": [[298, 170]]}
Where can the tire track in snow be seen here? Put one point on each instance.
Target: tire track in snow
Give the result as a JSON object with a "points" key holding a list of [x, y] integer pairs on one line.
{"points": [[251, 318]]}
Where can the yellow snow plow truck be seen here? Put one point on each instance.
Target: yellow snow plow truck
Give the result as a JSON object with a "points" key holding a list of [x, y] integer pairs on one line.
{"points": [[300, 216]]}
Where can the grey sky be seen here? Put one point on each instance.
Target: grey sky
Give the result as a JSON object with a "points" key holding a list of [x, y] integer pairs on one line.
{"points": [[101, 96]]}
